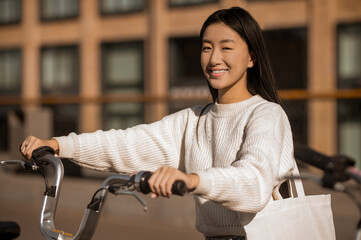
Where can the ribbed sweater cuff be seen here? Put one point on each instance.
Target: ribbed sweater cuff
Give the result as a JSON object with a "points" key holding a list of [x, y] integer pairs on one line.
{"points": [[66, 146], [205, 180]]}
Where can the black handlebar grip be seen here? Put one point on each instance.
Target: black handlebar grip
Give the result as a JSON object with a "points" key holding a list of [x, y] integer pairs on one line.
{"points": [[9, 230], [41, 152], [179, 187]]}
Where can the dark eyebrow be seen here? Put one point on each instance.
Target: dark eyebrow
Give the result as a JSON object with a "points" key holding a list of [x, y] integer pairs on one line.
{"points": [[222, 41], [227, 41]]}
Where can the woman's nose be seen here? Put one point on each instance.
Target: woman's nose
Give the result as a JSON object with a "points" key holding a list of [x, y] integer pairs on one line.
{"points": [[215, 58]]}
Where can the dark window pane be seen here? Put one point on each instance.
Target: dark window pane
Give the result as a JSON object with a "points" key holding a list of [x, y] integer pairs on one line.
{"points": [[10, 11], [120, 6], [174, 3], [296, 111], [185, 72], [287, 50], [122, 72], [349, 128], [65, 118], [59, 9], [65, 121], [4, 129], [10, 72], [349, 56], [59, 70], [184, 60]]}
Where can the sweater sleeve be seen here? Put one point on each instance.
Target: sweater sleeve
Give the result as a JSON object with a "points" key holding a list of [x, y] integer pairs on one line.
{"points": [[264, 158], [143, 147]]}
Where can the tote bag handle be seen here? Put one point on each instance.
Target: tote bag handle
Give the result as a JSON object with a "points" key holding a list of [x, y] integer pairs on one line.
{"points": [[298, 190]]}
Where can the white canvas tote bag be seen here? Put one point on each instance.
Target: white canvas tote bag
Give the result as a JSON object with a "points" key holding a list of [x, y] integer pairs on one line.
{"points": [[297, 218]]}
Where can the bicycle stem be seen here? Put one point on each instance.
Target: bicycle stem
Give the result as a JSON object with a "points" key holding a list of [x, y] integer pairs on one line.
{"points": [[92, 213], [51, 196]]}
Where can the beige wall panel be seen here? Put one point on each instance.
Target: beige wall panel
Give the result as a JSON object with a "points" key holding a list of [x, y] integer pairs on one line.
{"points": [[349, 10], [279, 14], [231, 3], [188, 22], [13, 37], [123, 28], [59, 33]]}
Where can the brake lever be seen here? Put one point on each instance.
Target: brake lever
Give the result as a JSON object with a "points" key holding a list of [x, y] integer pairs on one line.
{"points": [[134, 194], [22, 163]]}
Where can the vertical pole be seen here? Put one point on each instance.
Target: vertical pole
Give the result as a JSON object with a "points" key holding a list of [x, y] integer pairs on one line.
{"points": [[156, 79], [90, 113], [322, 75]]}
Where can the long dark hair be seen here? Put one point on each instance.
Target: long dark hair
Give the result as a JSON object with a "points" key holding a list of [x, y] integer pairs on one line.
{"points": [[260, 79]]}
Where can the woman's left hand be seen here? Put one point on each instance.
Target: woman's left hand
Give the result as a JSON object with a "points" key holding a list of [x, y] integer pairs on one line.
{"points": [[162, 180]]}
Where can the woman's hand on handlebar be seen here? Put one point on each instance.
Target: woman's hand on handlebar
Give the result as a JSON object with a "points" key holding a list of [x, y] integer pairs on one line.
{"points": [[31, 143], [162, 180]]}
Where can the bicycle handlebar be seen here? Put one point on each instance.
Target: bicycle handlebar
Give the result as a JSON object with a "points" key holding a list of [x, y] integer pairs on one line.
{"points": [[115, 184]]}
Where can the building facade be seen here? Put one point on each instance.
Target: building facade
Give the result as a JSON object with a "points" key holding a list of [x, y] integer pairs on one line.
{"points": [[101, 64]]}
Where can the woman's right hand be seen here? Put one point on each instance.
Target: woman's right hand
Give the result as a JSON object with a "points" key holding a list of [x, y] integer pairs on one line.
{"points": [[31, 143]]}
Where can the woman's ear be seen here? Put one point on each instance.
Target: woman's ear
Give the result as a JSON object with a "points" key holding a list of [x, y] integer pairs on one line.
{"points": [[252, 60]]}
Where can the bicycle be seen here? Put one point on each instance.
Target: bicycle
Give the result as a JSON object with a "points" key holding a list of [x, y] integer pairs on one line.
{"points": [[44, 158]]}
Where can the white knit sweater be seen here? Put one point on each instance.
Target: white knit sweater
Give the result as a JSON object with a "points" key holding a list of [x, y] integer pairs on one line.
{"points": [[241, 152]]}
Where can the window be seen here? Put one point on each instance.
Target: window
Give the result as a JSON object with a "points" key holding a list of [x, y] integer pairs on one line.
{"points": [[185, 72], [176, 3], [10, 11], [60, 70], [296, 111], [349, 128], [120, 6], [58, 9], [349, 76], [10, 72], [65, 118], [4, 129], [349, 56], [10, 84], [122, 73], [59, 76], [287, 49]]}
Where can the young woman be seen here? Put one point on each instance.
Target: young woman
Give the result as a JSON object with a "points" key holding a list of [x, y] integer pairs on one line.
{"points": [[232, 154]]}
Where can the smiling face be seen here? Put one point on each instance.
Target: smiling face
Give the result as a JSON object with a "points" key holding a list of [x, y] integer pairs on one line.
{"points": [[225, 59]]}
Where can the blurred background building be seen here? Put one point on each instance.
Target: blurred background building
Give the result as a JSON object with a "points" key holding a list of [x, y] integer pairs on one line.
{"points": [[83, 65]]}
